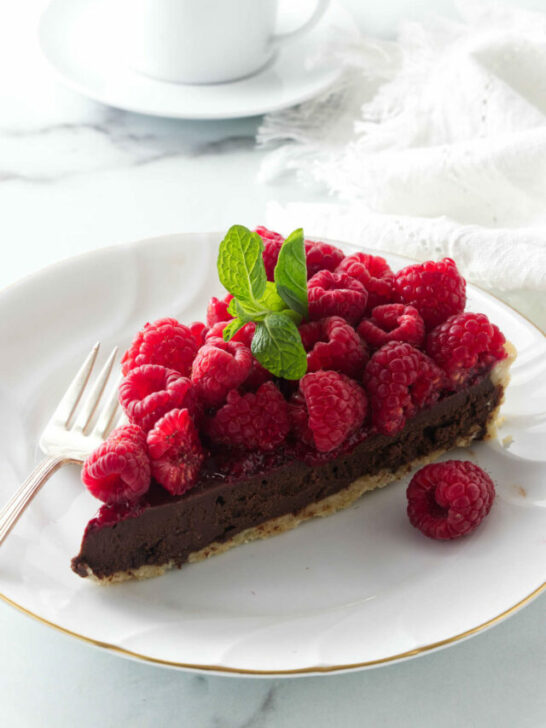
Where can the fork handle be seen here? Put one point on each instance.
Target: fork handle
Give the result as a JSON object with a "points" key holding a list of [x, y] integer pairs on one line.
{"points": [[11, 512]]}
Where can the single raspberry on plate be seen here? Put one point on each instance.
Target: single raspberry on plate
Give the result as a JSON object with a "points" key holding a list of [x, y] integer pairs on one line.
{"points": [[176, 452], [436, 289], [336, 294], [218, 367], [166, 342], [150, 391], [375, 275], [199, 332], [328, 408], [321, 256], [464, 345], [332, 343], [272, 244], [217, 310], [119, 470], [448, 500], [254, 421], [400, 380], [244, 334], [392, 322]]}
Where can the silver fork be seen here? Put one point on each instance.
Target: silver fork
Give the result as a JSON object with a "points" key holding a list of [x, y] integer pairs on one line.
{"points": [[69, 436]]}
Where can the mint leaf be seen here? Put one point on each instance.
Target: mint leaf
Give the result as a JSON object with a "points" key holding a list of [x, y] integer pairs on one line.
{"points": [[240, 264], [232, 328], [232, 307], [277, 346], [245, 312], [271, 298], [291, 273], [270, 302]]}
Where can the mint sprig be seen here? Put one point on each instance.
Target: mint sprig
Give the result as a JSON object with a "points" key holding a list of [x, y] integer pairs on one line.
{"points": [[277, 308]]}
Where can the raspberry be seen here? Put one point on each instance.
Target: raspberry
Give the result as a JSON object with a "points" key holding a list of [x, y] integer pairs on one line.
{"points": [[448, 500], [374, 274], [332, 343], [464, 345], [244, 334], [150, 391], [218, 367], [164, 342], [119, 470], [299, 419], [252, 421], [392, 322], [437, 290], [176, 452], [217, 310], [328, 408], [336, 294], [258, 375], [199, 332], [400, 380], [272, 244], [268, 235], [321, 256]]}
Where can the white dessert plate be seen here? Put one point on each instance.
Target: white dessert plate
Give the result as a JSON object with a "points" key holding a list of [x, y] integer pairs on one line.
{"points": [[358, 589], [82, 41]]}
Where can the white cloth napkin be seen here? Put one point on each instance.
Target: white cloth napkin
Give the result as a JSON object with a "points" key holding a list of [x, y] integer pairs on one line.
{"points": [[431, 145]]}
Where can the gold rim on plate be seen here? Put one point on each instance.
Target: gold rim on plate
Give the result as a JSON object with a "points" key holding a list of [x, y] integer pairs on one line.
{"points": [[303, 670], [280, 673]]}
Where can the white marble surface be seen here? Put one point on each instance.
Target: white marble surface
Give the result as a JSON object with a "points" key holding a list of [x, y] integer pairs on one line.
{"points": [[75, 176]]}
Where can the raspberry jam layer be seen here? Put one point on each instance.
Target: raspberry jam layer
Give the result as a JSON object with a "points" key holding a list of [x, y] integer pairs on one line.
{"points": [[163, 528]]}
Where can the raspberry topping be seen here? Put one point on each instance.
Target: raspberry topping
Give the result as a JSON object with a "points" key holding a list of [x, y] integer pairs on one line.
{"points": [[321, 256], [392, 322], [437, 290], [244, 334], [327, 409], [164, 342], [332, 343], [199, 332], [400, 380], [150, 391], [217, 310], [336, 294], [374, 274], [448, 500], [464, 345], [119, 470], [272, 244], [253, 421], [218, 367], [176, 452]]}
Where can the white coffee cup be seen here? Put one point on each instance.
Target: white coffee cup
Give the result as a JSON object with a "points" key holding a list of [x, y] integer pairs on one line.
{"points": [[205, 41]]}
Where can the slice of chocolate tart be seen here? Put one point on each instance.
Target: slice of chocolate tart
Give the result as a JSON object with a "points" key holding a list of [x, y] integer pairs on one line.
{"points": [[319, 377], [264, 495]]}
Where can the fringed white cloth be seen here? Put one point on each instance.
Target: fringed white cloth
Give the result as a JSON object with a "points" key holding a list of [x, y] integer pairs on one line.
{"points": [[431, 145]]}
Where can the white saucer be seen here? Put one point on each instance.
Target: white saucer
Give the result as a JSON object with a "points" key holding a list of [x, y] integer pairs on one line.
{"points": [[80, 40]]}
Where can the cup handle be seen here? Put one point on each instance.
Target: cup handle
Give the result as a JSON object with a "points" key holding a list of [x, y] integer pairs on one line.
{"points": [[280, 38]]}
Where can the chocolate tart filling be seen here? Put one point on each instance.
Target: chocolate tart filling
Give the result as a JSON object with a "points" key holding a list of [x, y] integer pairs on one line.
{"points": [[163, 530]]}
